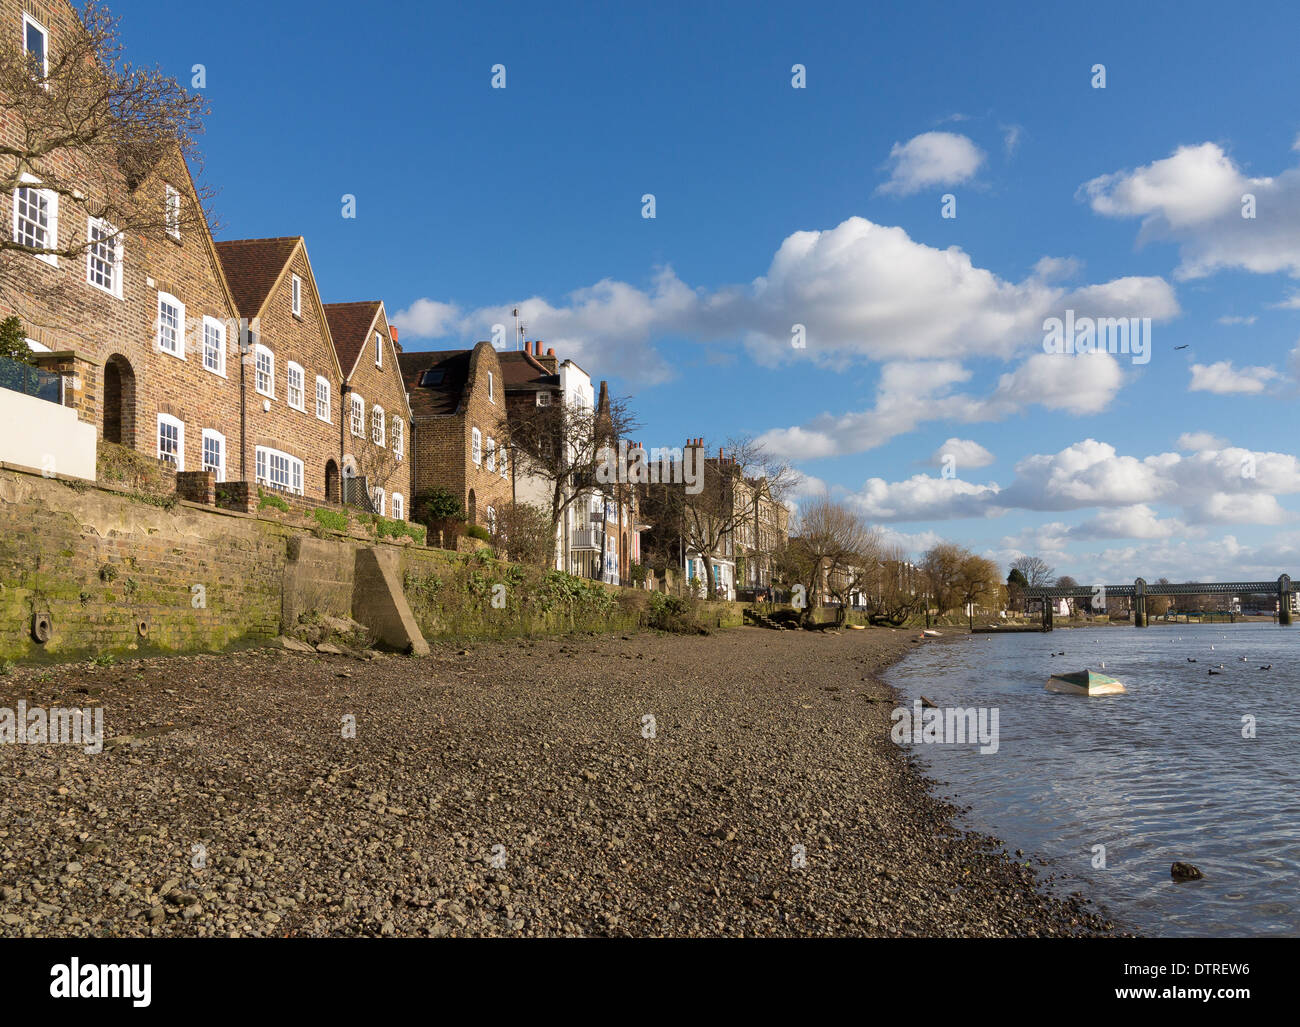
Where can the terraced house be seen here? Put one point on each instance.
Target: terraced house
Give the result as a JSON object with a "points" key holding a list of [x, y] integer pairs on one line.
{"points": [[377, 420], [292, 378], [209, 356]]}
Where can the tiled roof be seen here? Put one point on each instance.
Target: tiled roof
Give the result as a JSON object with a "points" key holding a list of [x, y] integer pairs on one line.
{"points": [[350, 326], [521, 371], [441, 393], [252, 267]]}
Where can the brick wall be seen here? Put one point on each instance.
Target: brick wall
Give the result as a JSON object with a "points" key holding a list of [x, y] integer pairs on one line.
{"points": [[304, 340], [383, 386], [445, 444]]}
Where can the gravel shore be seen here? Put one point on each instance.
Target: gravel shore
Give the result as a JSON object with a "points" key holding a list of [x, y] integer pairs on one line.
{"points": [[504, 790]]}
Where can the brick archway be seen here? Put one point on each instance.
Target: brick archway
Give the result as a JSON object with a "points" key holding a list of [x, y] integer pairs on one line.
{"points": [[332, 491], [119, 401]]}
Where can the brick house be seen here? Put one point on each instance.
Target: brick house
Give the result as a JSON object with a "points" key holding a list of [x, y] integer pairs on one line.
{"points": [[292, 379], [140, 330], [457, 399], [373, 403]]}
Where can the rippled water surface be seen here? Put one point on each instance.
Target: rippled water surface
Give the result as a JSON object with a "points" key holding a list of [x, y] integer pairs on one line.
{"points": [[1160, 774]]}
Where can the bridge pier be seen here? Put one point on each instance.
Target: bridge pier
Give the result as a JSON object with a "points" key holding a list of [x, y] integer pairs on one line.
{"points": [[1284, 600], [1140, 604], [1047, 614]]}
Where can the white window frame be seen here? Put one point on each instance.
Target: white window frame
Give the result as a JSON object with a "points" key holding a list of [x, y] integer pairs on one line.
{"points": [[491, 460], [179, 338], [302, 386], [377, 497], [51, 198], [265, 457], [379, 351], [492, 392], [328, 416], [179, 425], [29, 20], [398, 431], [501, 460], [211, 434], [476, 446], [378, 426], [219, 328], [172, 210], [115, 264], [295, 303], [357, 416], [260, 351], [398, 507], [543, 399]]}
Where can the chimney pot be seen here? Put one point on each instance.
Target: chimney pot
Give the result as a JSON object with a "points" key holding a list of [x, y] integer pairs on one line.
{"points": [[392, 330], [551, 352]]}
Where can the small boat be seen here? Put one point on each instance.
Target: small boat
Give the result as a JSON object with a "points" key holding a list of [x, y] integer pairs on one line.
{"points": [[1084, 682], [928, 633]]}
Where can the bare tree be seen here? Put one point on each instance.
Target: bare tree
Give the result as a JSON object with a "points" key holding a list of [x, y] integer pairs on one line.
{"points": [[941, 566], [84, 129], [732, 488], [1037, 571], [894, 597], [834, 550], [977, 580], [562, 444]]}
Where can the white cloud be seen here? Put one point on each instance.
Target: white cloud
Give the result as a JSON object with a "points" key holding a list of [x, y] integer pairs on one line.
{"points": [[962, 452], [1239, 320], [925, 498], [1195, 198], [931, 159], [1223, 379], [863, 292], [1011, 138], [1137, 521], [427, 319], [1194, 440]]}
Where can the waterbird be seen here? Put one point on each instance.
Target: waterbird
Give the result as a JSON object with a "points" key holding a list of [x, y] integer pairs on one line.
{"points": [[1190, 660], [1214, 672], [1267, 666]]}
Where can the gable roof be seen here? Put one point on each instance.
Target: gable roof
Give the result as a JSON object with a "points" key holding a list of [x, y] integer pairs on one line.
{"points": [[521, 371], [350, 326], [253, 267], [442, 394]]}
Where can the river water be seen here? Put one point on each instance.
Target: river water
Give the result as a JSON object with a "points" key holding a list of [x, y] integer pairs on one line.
{"points": [[1160, 774]]}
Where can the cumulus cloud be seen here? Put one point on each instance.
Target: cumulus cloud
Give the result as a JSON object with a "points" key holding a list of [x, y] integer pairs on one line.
{"points": [[1195, 440], [912, 393], [1195, 198], [961, 452], [931, 159], [1217, 485], [1223, 379], [862, 291]]}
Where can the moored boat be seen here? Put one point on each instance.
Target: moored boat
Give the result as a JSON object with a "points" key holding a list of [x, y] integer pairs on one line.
{"points": [[1085, 682]]}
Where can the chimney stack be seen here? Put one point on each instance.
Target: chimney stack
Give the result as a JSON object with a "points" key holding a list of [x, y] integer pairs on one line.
{"points": [[392, 330]]}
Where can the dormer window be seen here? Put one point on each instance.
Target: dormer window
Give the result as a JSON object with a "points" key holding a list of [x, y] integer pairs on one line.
{"points": [[379, 350], [297, 296], [36, 41], [172, 211]]}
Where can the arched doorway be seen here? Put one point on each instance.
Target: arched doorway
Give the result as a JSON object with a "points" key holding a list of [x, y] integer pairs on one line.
{"points": [[332, 493], [472, 509], [119, 401]]}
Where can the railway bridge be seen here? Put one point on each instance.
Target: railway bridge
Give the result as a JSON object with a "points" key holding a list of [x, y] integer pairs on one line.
{"points": [[1140, 590]]}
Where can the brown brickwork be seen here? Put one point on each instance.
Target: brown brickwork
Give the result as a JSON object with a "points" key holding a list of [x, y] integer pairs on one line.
{"points": [[368, 353], [445, 419]]}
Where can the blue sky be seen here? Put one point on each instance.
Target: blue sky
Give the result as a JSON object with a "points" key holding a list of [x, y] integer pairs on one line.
{"points": [[822, 206]]}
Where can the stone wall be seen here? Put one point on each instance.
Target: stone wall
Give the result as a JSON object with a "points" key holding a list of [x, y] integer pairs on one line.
{"points": [[112, 571]]}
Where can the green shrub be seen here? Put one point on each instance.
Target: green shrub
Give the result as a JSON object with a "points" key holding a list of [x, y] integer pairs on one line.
{"points": [[479, 532], [334, 520], [385, 528], [266, 499]]}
